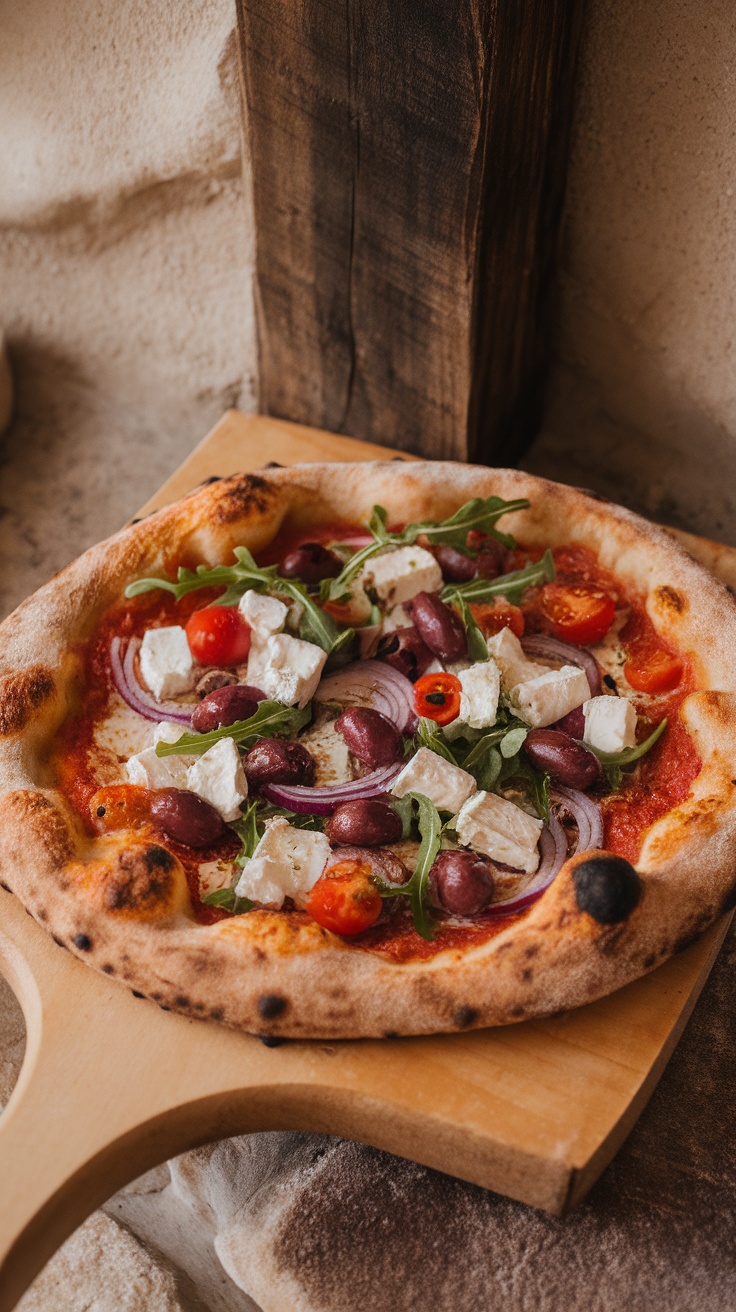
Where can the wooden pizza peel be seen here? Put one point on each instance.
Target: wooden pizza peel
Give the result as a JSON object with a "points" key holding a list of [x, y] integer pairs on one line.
{"points": [[111, 1084]]}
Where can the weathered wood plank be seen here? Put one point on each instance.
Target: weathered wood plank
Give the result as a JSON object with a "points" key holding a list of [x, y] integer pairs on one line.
{"points": [[408, 167]]}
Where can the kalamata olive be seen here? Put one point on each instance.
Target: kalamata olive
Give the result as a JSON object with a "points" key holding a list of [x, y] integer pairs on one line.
{"points": [[311, 562], [369, 736], [572, 724], [461, 882], [439, 626], [455, 565], [274, 761], [224, 706], [186, 818], [213, 679], [366, 822], [404, 651], [489, 561], [564, 760], [384, 864]]}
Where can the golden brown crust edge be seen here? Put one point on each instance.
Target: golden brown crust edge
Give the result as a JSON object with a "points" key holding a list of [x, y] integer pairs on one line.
{"points": [[123, 907]]}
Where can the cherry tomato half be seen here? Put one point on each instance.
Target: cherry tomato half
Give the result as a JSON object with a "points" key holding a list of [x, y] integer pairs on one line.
{"points": [[345, 899], [578, 612], [437, 697], [653, 670], [120, 806], [496, 615], [218, 635]]}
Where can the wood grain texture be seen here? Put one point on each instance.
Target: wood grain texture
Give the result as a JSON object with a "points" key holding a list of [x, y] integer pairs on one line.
{"points": [[112, 1085], [408, 165]]}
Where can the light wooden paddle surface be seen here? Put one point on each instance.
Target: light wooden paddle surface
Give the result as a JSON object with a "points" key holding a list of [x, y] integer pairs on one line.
{"points": [[112, 1085]]}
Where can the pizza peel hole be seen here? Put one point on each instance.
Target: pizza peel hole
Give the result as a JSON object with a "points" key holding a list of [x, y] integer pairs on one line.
{"points": [[271, 1005], [83, 942], [607, 888]]}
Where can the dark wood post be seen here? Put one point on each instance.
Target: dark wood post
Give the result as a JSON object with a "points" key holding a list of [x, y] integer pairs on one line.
{"points": [[408, 163]]}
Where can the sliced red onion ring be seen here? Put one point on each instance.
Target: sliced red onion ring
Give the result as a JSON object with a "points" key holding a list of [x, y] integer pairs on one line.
{"points": [[139, 699], [323, 801], [356, 540], [369, 637], [374, 684], [538, 644], [586, 814], [553, 844], [384, 864]]}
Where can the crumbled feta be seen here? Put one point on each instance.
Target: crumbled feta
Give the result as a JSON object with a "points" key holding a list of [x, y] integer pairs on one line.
{"points": [[549, 696], [481, 686], [444, 784], [167, 664], [152, 771], [398, 575], [214, 875], [265, 615], [286, 669], [396, 618], [511, 660], [610, 723], [501, 830], [287, 863], [167, 731], [218, 777], [435, 667]]}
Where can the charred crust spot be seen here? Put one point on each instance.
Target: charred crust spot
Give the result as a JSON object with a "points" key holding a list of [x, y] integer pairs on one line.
{"points": [[213, 478], [42, 914], [181, 1000], [271, 1005], [163, 1006], [526, 974], [670, 599], [517, 1011], [21, 694], [58, 941], [391, 1034], [141, 880], [7, 890], [242, 497], [217, 1013], [137, 993], [649, 961], [465, 1016], [83, 942], [270, 1040], [260, 955], [532, 950], [108, 969], [607, 888], [156, 997], [273, 464]]}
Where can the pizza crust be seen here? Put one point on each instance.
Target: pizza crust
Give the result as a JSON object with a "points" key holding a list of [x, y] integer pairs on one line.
{"points": [[122, 905]]}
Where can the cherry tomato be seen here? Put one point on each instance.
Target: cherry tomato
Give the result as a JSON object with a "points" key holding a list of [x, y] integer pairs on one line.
{"points": [[437, 697], [653, 670], [345, 899], [496, 615], [218, 635], [120, 806], [578, 612]]}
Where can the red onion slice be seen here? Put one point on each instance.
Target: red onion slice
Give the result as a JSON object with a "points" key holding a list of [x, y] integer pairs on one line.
{"points": [[137, 698], [553, 845], [586, 814], [538, 644], [374, 684], [384, 863], [323, 801]]}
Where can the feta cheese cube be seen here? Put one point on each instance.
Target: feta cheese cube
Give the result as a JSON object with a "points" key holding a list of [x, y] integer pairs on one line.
{"points": [[398, 575], [218, 777], [481, 686], [397, 618], [286, 669], [287, 863], [329, 751], [167, 664], [265, 615], [508, 653], [444, 784], [152, 771], [214, 875], [167, 731], [610, 723], [501, 830], [542, 700]]}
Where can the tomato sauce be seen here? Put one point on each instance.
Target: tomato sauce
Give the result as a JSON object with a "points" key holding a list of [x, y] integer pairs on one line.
{"points": [[662, 779]]}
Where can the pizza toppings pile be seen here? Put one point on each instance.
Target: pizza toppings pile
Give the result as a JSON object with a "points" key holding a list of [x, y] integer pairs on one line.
{"points": [[397, 732]]}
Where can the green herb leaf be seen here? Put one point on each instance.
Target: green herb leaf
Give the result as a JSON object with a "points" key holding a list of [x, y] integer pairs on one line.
{"points": [[630, 754], [269, 719], [404, 808], [429, 734], [430, 831], [511, 743], [477, 514], [268, 811], [519, 769], [477, 645], [228, 900], [249, 832], [511, 586]]}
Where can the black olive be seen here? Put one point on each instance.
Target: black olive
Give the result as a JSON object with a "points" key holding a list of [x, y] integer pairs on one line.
{"points": [[607, 887]]}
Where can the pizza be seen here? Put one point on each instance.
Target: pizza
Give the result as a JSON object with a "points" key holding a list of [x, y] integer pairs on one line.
{"points": [[363, 750]]}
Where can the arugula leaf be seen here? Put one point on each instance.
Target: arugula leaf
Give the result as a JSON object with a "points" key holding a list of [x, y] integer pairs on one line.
{"points": [[236, 578], [248, 831], [228, 900], [429, 734], [477, 645], [268, 811], [612, 762], [404, 809], [511, 743], [518, 768], [511, 586], [430, 831], [270, 718]]}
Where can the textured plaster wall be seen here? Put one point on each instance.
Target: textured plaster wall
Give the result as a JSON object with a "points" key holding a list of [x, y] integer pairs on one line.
{"points": [[643, 403]]}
